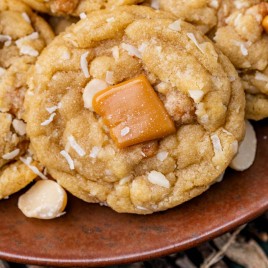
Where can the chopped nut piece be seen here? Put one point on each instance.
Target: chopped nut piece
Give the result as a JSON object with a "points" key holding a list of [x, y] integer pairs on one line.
{"points": [[247, 150], [133, 104], [45, 200]]}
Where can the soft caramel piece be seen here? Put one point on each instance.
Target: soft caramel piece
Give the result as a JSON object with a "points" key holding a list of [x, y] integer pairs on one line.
{"points": [[265, 23], [134, 112]]}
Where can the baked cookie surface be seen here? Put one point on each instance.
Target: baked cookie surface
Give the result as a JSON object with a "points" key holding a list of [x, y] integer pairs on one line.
{"points": [[76, 7], [196, 84], [23, 35]]}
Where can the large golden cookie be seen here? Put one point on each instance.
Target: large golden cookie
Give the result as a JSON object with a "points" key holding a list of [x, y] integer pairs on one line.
{"points": [[197, 84], [23, 35]]}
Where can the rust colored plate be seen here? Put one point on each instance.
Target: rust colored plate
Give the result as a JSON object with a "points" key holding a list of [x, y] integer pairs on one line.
{"points": [[91, 235]]}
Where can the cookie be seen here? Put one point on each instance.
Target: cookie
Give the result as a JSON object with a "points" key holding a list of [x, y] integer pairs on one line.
{"points": [[242, 37], [23, 35], [75, 7], [97, 140]]}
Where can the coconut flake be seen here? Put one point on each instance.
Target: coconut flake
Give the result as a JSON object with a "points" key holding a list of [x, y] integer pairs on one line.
{"points": [[125, 180], [2, 71], [261, 77], [124, 131], [158, 178], [161, 156], [84, 64], [83, 15], [54, 108], [109, 20], [68, 159], [92, 87], [216, 144], [196, 95], [11, 155], [19, 126], [49, 120], [65, 55], [155, 4], [240, 4], [132, 51], [191, 36], [26, 17], [214, 3], [28, 50], [115, 52], [5, 38], [243, 49], [142, 47], [94, 152], [175, 26], [109, 77], [27, 161], [76, 146]]}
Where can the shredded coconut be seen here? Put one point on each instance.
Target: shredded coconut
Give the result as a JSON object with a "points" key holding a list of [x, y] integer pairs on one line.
{"points": [[216, 143], [83, 15], [49, 120], [214, 3], [19, 126], [125, 131], [196, 95], [4, 38], [161, 156], [125, 180], [92, 87], [11, 155], [155, 4], [132, 51], [240, 4], [109, 20], [141, 208], [84, 64], [244, 50], [26, 17], [65, 55], [53, 108], [27, 161], [261, 77], [68, 159], [115, 52], [28, 50], [2, 71], [94, 152], [76, 146], [191, 36], [158, 178], [175, 26], [142, 47], [109, 77]]}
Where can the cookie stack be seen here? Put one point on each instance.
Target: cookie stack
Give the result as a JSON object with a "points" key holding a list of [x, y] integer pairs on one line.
{"points": [[137, 105]]}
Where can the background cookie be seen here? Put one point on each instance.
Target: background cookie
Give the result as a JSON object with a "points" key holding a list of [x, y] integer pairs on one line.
{"points": [[23, 35], [196, 83], [242, 37], [75, 7]]}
